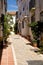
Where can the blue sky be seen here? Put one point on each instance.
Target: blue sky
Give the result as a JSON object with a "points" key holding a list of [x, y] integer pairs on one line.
{"points": [[12, 5]]}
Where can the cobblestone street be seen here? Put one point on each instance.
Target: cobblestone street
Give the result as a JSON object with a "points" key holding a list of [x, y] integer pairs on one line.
{"points": [[7, 56], [25, 54]]}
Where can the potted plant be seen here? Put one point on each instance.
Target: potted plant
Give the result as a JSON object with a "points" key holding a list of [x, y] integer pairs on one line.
{"points": [[34, 43], [35, 31]]}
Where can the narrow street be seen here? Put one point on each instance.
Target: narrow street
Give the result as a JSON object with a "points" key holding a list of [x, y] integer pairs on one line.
{"points": [[24, 54], [21, 32]]}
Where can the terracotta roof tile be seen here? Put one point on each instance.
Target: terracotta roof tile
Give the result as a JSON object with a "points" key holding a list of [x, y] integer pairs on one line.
{"points": [[11, 13]]}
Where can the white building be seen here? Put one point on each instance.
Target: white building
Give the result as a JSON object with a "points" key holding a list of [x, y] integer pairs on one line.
{"points": [[13, 20]]}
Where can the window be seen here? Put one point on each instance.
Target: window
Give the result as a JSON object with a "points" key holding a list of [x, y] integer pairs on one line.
{"points": [[23, 8]]}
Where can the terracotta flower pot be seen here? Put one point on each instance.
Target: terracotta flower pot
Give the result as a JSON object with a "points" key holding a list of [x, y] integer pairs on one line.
{"points": [[35, 44]]}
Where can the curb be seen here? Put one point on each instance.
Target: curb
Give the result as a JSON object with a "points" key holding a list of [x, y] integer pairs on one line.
{"points": [[14, 56]]}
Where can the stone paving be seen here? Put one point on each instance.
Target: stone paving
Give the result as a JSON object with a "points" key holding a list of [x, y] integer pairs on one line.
{"points": [[25, 54], [7, 56]]}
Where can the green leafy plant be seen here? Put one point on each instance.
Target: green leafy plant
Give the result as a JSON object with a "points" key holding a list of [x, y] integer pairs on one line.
{"points": [[34, 43], [34, 40], [34, 27], [6, 31], [35, 32]]}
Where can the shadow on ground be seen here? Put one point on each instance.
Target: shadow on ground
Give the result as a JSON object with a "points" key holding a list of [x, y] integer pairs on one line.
{"points": [[35, 62]]}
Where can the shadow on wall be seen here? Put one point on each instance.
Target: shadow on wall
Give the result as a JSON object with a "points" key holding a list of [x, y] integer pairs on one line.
{"points": [[1, 50], [35, 62]]}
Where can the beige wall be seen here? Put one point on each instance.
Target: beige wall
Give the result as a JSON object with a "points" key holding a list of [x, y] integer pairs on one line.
{"points": [[37, 10], [25, 5], [41, 5], [25, 30], [2, 11], [22, 4], [2, 7]]}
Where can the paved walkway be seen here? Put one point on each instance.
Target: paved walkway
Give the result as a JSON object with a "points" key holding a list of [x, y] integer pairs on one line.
{"points": [[25, 54], [7, 56]]}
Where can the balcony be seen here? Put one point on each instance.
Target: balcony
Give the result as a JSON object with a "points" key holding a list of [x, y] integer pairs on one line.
{"points": [[32, 5]]}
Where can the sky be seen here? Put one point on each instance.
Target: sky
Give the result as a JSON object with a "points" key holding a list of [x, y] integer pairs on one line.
{"points": [[12, 5]]}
